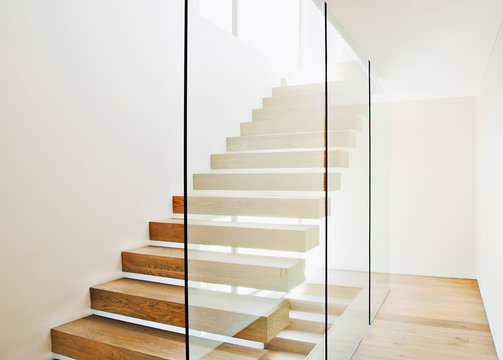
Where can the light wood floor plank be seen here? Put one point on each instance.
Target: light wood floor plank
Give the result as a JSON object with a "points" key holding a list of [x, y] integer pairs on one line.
{"points": [[429, 318]]}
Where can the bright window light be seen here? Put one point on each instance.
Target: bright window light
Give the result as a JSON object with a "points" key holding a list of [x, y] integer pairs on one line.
{"points": [[271, 27]]}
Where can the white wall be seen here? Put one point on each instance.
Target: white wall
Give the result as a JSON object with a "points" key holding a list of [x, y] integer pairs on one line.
{"points": [[91, 146], [227, 80], [433, 187], [490, 193], [90, 108], [424, 191]]}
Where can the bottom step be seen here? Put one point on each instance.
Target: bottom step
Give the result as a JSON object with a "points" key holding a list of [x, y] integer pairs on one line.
{"points": [[95, 337]]}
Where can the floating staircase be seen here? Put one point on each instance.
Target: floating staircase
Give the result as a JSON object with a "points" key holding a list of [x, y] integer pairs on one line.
{"points": [[274, 169]]}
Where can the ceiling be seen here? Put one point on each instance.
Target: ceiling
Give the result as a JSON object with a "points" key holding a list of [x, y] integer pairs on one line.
{"points": [[424, 47]]}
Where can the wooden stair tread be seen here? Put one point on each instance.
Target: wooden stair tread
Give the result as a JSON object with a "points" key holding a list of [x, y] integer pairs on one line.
{"points": [[279, 160], [309, 322], [300, 336], [334, 291], [313, 124], [315, 139], [96, 337], [295, 341], [215, 312], [261, 272], [269, 206], [283, 355], [242, 304], [247, 235], [316, 304], [230, 258], [317, 317], [299, 181], [235, 352]]}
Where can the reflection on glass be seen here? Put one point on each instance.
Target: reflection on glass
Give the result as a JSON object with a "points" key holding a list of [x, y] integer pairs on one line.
{"points": [[219, 12], [265, 171], [380, 247]]}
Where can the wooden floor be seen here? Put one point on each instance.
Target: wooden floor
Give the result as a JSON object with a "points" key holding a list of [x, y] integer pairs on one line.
{"points": [[428, 318]]}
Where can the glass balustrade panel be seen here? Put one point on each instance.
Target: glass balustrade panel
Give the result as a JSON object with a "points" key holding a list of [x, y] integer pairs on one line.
{"points": [[256, 173]]}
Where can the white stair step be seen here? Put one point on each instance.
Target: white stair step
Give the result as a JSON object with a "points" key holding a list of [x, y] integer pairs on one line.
{"points": [[278, 160], [318, 88], [339, 97], [291, 141], [269, 206], [315, 111], [308, 181], [298, 238], [301, 125]]}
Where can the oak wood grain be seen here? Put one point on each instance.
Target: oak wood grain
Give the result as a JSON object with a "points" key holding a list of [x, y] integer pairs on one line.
{"points": [[96, 337], [260, 272], [166, 231], [430, 318], [247, 317]]}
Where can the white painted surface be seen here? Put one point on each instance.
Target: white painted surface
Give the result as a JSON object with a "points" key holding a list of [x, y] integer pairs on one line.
{"points": [[91, 146], [490, 192], [222, 89], [61, 357], [433, 187], [424, 48], [90, 107]]}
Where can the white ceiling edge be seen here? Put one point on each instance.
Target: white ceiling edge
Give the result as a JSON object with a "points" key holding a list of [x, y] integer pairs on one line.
{"points": [[424, 48]]}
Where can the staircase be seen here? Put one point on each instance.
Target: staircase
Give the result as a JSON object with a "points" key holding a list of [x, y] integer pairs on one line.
{"points": [[273, 170]]}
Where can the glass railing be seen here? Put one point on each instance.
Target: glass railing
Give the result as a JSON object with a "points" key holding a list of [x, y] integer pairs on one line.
{"points": [[380, 171], [277, 183]]}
